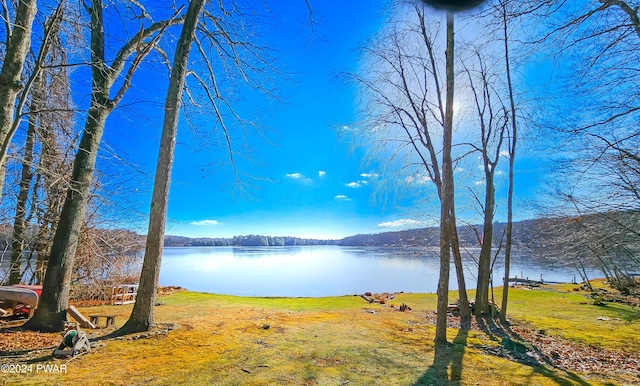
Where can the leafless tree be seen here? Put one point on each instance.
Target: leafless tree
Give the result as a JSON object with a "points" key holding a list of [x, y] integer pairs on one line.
{"points": [[37, 104], [408, 117], [447, 191], [142, 316], [492, 121], [597, 46], [512, 145], [51, 311], [216, 29], [18, 42], [105, 258]]}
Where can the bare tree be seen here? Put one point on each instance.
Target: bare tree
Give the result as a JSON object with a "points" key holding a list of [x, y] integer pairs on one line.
{"points": [[37, 97], [512, 155], [142, 316], [51, 311], [58, 143], [105, 258], [218, 32], [447, 221], [18, 35], [597, 44], [20, 221], [408, 117], [492, 121]]}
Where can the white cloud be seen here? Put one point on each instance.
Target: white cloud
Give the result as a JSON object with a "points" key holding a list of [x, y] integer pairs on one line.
{"points": [[341, 197], [420, 179], [478, 182], [321, 173], [206, 223], [301, 178], [403, 223], [505, 153], [353, 185], [369, 175]]}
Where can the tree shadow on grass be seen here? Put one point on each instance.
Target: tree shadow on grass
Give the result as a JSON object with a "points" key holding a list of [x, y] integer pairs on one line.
{"points": [[447, 367], [446, 356], [513, 347], [159, 330]]}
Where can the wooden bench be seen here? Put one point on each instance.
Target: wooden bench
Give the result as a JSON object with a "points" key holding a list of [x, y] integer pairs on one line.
{"points": [[110, 320]]}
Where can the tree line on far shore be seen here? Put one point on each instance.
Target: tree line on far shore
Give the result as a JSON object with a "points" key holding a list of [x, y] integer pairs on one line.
{"points": [[242, 241]]}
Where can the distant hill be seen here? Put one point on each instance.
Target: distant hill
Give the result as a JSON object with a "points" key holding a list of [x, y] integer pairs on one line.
{"points": [[242, 241], [610, 240], [561, 239], [524, 232]]}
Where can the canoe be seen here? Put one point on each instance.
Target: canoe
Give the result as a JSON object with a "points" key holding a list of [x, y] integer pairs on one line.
{"points": [[19, 294]]}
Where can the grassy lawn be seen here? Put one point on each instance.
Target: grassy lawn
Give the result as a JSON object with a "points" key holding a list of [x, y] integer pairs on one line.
{"points": [[228, 340]]}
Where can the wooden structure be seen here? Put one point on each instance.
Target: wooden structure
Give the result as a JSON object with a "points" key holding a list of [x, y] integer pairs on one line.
{"points": [[520, 280], [124, 294], [110, 320], [84, 322]]}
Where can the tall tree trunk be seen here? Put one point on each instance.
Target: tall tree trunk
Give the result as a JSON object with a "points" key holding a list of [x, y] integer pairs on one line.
{"points": [[19, 223], [142, 316], [51, 312], [484, 264], [18, 44], [512, 153], [50, 161], [463, 299], [447, 202]]}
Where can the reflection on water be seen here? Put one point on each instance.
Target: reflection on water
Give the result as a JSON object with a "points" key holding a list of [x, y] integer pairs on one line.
{"points": [[322, 270], [327, 270]]}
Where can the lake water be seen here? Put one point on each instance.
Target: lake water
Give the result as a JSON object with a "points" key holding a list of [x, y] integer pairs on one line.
{"points": [[324, 270]]}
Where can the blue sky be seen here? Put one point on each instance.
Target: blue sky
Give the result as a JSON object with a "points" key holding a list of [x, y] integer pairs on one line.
{"points": [[299, 178]]}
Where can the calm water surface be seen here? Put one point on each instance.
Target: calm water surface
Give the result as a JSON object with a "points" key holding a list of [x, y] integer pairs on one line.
{"points": [[322, 270]]}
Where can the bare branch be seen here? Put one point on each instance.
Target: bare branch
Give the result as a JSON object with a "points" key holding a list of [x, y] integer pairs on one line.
{"points": [[7, 21], [631, 12], [215, 100], [133, 45], [51, 28]]}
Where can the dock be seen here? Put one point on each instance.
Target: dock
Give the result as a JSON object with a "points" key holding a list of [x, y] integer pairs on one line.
{"points": [[522, 281], [526, 281]]}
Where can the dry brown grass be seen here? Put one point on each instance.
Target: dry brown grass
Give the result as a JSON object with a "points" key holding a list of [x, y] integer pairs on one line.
{"points": [[225, 340]]}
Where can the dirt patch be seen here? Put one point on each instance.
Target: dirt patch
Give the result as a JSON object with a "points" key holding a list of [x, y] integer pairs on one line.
{"points": [[631, 299], [160, 330], [572, 356], [607, 293], [524, 344]]}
